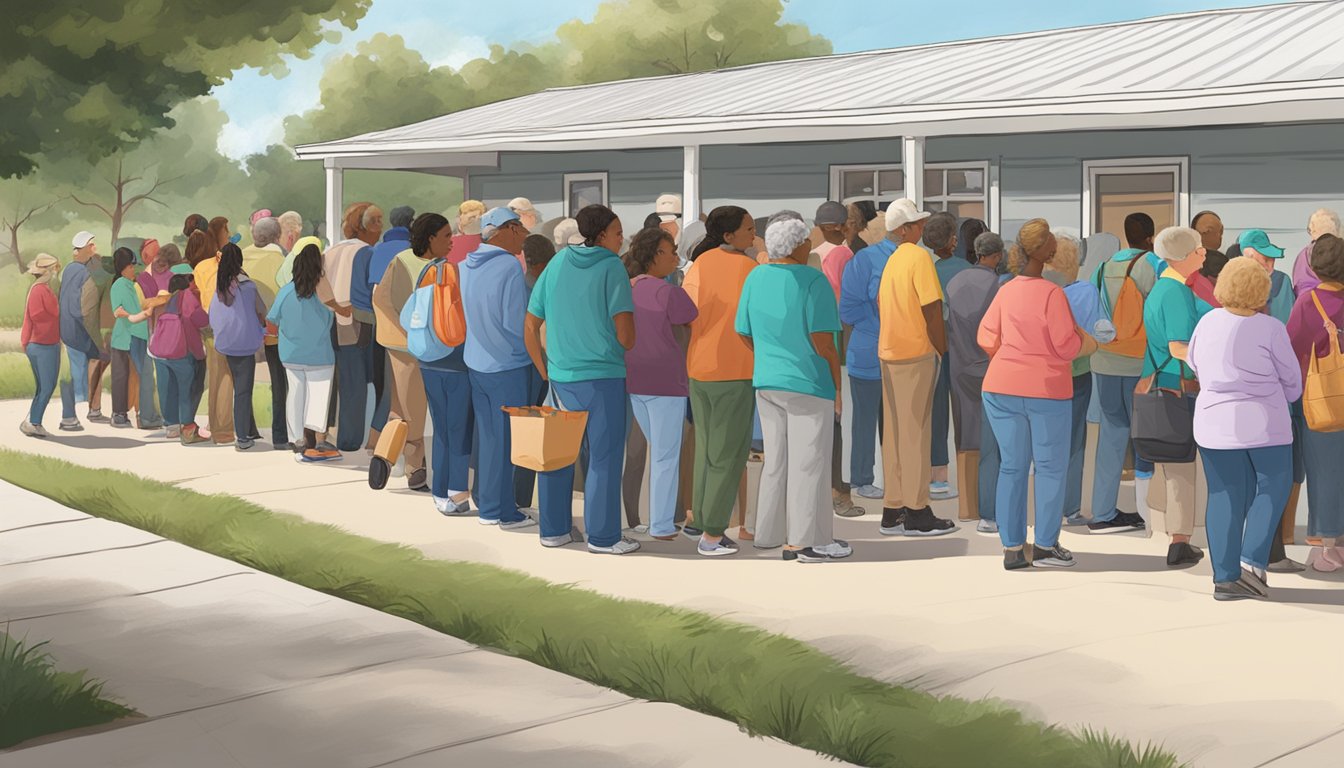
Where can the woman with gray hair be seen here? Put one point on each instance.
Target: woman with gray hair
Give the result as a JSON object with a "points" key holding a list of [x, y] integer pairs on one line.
{"points": [[788, 316], [1322, 222]]}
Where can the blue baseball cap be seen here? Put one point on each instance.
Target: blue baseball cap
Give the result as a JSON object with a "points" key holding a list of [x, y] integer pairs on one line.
{"points": [[236, 237], [1257, 239], [494, 219]]}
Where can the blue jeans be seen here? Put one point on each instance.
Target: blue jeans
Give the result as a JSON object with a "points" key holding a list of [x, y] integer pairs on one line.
{"points": [[990, 464], [1116, 397], [1082, 396], [524, 480], [865, 414], [494, 459], [45, 360], [176, 379], [376, 360], [660, 419], [448, 394], [942, 411], [352, 385], [146, 412], [1247, 491], [604, 400], [1030, 430], [79, 373]]}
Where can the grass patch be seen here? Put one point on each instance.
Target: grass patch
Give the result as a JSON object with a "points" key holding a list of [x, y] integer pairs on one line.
{"points": [[36, 699], [766, 683]]}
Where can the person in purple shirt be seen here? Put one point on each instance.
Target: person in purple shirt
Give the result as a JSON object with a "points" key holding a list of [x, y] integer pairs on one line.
{"points": [[1248, 375], [656, 368], [1323, 222]]}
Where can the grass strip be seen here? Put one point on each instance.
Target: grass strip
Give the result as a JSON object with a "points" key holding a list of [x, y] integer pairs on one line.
{"points": [[766, 683], [36, 699]]}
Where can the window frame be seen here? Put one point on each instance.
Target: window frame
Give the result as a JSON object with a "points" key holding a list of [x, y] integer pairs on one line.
{"points": [[1119, 166], [989, 194], [570, 178]]}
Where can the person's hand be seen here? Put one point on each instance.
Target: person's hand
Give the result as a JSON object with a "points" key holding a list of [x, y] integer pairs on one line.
{"points": [[344, 311], [121, 312], [839, 405]]}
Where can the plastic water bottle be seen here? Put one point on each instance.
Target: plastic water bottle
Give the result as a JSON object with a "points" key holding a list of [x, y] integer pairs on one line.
{"points": [[1103, 331]]}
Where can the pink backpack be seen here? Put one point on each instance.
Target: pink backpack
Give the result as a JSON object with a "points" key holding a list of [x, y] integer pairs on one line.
{"points": [[169, 340]]}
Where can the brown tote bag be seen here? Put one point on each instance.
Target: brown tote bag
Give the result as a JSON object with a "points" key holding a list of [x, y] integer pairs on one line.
{"points": [[1323, 389], [545, 439]]}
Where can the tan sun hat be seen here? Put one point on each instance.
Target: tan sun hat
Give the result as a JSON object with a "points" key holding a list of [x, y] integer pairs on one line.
{"points": [[43, 264]]}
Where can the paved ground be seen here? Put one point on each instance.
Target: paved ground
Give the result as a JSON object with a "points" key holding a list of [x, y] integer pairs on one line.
{"points": [[1118, 642], [234, 668]]}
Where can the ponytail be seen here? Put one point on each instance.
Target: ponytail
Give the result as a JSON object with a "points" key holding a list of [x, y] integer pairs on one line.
{"points": [[721, 222]]}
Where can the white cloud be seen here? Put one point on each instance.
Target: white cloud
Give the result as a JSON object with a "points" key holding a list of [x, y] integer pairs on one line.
{"points": [[459, 52]]}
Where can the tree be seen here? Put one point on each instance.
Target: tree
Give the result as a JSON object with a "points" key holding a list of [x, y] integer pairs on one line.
{"points": [[123, 202], [15, 219], [93, 78]]}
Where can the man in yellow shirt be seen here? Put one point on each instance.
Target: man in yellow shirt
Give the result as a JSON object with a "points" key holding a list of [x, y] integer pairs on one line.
{"points": [[911, 344]]}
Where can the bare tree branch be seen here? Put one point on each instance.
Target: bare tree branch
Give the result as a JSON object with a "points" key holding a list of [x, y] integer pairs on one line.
{"points": [[106, 212]]}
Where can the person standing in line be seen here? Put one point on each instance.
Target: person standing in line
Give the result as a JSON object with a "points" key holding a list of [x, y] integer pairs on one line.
{"points": [[1116, 368], [179, 353], [787, 315], [1085, 304], [858, 312], [361, 226], [1322, 222], [99, 321], [719, 365], [494, 297], [130, 346], [969, 295], [1319, 313], [1032, 339], [78, 297], [834, 254], [238, 321], [1248, 375], [390, 296], [261, 263], [940, 236], [584, 299], [538, 250], [468, 237], [303, 315], [656, 370], [1169, 318], [969, 230], [912, 342], [218, 382], [369, 266], [291, 229], [40, 338]]}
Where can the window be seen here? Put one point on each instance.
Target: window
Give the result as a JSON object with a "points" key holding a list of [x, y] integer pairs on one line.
{"points": [[961, 189], [583, 190], [1113, 189]]}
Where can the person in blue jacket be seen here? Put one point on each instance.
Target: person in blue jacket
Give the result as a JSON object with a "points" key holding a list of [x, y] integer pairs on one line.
{"points": [[858, 308], [369, 266], [494, 297]]}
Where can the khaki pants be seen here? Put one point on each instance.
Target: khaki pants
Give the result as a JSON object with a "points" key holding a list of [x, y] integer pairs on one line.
{"points": [[409, 405], [1173, 498], [219, 391], [907, 402]]}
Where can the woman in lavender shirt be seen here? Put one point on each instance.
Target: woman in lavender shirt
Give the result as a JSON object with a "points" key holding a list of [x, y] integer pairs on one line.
{"points": [[1248, 375]]}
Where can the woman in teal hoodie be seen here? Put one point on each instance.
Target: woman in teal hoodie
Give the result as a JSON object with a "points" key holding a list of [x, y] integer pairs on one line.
{"points": [[584, 299]]}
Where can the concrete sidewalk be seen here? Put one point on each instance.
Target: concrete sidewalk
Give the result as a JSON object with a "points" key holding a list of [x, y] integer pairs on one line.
{"points": [[233, 668], [1119, 642]]}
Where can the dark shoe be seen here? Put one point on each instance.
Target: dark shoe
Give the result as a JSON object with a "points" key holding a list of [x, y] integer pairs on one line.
{"points": [[1054, 557], [1183, 554], [691, 533], [327, 447], [379, 473], [244, 445], [836, 550], [1015, 559], [121, 421], [1234, 590], [283, 447], [922, 522], [70, 425], [893, 521], [97, 417], [1286, 565], [149, 426], [1121, 523], [1252, 579]]}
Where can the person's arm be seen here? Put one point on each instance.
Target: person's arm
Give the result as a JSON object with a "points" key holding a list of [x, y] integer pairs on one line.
{"points": [[532, 340], [625, 329], [824, 343], [990, 334], [1180, 350], [88, 310], [933, 319], [1285, 363], [621, 304], [930, 294], [680, 309]]}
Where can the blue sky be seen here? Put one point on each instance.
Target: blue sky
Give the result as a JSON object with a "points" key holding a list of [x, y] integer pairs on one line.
{"points": [[453, 33]]}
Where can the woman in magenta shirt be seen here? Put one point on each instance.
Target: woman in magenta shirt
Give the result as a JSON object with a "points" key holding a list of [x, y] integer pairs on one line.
{"points": [[1031, 338], [1321, 450]]}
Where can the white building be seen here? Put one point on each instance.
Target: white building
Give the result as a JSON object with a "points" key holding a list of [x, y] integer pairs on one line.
{"points": [[1237, 111]]}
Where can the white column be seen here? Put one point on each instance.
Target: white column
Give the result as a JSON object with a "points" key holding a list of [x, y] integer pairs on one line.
{"points": [[912, 162], [335, 195], [690, 184]]}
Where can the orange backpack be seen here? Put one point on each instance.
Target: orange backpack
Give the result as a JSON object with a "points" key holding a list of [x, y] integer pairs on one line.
{"points": [[450, 319], [1127, 315]]}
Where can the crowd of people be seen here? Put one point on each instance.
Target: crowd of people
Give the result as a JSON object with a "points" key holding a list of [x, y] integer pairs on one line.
{"points": [[699, 346]]}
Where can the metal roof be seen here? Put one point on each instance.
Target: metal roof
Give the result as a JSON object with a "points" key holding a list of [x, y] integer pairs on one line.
{"points": [[1279, 63]]}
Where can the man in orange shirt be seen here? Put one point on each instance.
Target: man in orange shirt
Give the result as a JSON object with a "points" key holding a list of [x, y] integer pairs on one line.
{"points": [[911, 344]]}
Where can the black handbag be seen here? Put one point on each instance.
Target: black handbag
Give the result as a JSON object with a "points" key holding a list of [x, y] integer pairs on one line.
{"points": [[1162, 426]]}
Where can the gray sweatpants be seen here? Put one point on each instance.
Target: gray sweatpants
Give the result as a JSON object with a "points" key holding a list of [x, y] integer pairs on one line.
{"points": [[794, 502]]}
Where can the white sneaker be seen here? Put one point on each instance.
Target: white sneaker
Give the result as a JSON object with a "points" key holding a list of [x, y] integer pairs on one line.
{"points": [[869, 491], [526, 522], [987, 527], [622, 547], [32, 430], [941, 491], [483, 521], [450, 508], [836, 550], [557, 541]]}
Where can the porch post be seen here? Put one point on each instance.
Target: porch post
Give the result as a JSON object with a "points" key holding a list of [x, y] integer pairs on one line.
{"points": [[335, 195], [690, 184], [912, 162]]}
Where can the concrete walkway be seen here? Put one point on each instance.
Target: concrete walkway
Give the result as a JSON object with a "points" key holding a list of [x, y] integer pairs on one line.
{"points": [[233, 668], [1118, 642]]}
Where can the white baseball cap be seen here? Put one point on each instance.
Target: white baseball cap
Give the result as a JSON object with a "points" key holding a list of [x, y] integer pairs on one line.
{"points": [[668, 207], [520, 205], [902, 212], [567, 233], [82, 239]]}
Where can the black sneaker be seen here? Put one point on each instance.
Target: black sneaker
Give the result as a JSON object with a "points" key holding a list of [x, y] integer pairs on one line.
{"points": [[1015, 559], [691, 532], [1183, 554], [1235, 590], [1123, 522], [97, 417], [1054, 557], [893, 521], [922, 522], [120, 421]]}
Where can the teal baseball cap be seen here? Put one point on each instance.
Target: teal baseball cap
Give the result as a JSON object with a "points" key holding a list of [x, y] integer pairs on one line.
{"points": [[1257, 239], [181, 269]]}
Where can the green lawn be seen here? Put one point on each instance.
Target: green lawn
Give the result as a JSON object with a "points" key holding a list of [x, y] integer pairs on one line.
{"points": [[767, 683], [36, 699]]}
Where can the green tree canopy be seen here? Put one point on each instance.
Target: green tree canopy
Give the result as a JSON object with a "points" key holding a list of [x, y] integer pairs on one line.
{"points": [[91, 77]]}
